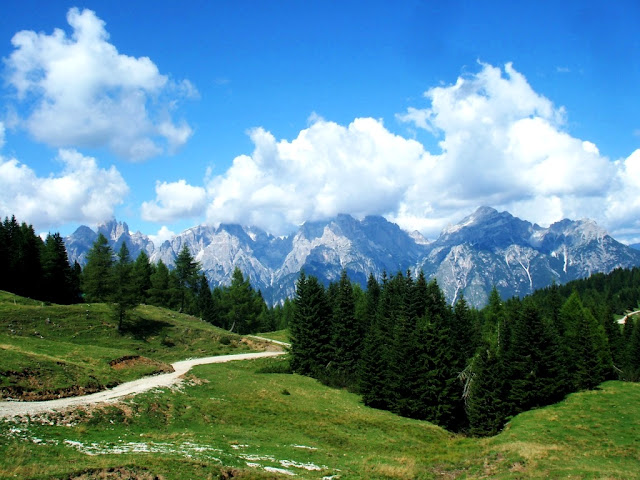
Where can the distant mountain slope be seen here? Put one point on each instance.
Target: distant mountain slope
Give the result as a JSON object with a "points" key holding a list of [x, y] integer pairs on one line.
{"points": [[81, 241], [486, 248], [495, 248]]}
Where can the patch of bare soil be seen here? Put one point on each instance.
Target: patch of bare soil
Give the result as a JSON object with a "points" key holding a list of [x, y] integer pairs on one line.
{"points": [[115, 473], [130, 361], [32, 387]]}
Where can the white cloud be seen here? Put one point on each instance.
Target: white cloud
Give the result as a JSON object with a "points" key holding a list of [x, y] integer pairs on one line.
{"points": [[163, 235], [501, 144], [83, 92], [361, 169], [81, 192], [174, 201]]}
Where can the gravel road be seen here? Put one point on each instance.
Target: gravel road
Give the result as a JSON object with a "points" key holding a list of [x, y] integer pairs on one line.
{"points": [[14, 408]]}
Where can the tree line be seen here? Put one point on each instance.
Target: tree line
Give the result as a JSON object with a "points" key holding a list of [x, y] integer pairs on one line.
{"points": [[34, 268], [41, 270], [126, 283], [405, 349]]}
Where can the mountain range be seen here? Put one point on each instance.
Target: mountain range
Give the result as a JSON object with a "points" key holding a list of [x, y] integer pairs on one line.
{"points": [[486, 248]]}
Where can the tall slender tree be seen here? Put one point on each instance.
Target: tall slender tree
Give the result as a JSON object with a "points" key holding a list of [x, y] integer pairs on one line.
{"points": [[97, 281], [186, 274], [124, 296]]}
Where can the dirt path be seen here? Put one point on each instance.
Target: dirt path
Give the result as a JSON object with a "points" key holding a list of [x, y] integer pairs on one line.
{"points": [[11, 409]]}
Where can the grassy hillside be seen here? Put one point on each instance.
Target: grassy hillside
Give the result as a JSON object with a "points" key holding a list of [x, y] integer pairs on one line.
{"points": [[52, 350], [237, 420], [232, 421]]}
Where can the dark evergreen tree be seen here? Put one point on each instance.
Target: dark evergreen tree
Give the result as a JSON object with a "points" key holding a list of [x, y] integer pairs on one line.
{"points": [[159, 293], [24, 262], [310, 328], [186, 274], [372, 297], [493, 315], [347, 334], [124, 297], [486, 409], [97, 280], [631, 371], [536, 372], [466, 336], [57, 275], [206, 306], [141, 277], [587, 353], [374, 375], [241, 305]]}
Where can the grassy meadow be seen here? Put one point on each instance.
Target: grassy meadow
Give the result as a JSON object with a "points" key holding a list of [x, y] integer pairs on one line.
{"points": [[52, 350], [239, 420]]}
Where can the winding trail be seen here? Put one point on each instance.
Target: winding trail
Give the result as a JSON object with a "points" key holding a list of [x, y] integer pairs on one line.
{"points": [[15, 408], [623, 320]]}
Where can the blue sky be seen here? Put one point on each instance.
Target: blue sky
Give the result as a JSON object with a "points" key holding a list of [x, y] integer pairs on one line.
{"points": [[273, 113]]}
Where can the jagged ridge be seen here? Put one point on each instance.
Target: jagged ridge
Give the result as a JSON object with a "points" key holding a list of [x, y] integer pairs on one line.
{"points": [[486, 248]]}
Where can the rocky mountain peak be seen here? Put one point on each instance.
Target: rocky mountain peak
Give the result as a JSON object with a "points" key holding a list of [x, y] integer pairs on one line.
{"points": [[486, 248]]}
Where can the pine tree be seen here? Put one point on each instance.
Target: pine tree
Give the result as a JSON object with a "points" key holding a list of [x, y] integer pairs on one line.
{"points": [[159, 293], [241, 305], [493, 315], [206, 306], [485, 406], [465, 334], [97, 281], [25, 257], [632, 367], [536, 373], [310, 328], [374, 379], [57, 274], [587, 353], [186, 274], [347, 334], [141, 277], [124, 294]]}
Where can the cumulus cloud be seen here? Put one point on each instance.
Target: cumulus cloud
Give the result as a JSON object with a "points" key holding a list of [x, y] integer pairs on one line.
{"points": [[361, 169], [174, 201], [82, 192], [162, 236], [78, 90], [500, 144]]}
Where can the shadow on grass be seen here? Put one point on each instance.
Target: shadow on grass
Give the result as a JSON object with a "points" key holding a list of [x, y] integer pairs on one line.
{"points": [[143, 328]]}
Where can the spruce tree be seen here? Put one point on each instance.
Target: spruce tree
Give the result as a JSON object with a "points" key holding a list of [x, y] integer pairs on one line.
{"points": [[632, 367], [347, 334], [97, 281], [587, 351], [124, 294], [310, 328], [206, 307], [485, 406], [159, 294], [141, 277], [57, 274], [186, 274], [241, 305], [536, 373]]}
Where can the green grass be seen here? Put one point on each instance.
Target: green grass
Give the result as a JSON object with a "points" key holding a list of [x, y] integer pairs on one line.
{"points": [[279, 335], [594, 434], [229, 417], [235, 421], [46, 350]]}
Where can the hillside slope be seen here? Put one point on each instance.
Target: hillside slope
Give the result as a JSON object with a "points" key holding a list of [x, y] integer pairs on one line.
{"points": [[48, 351]]}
